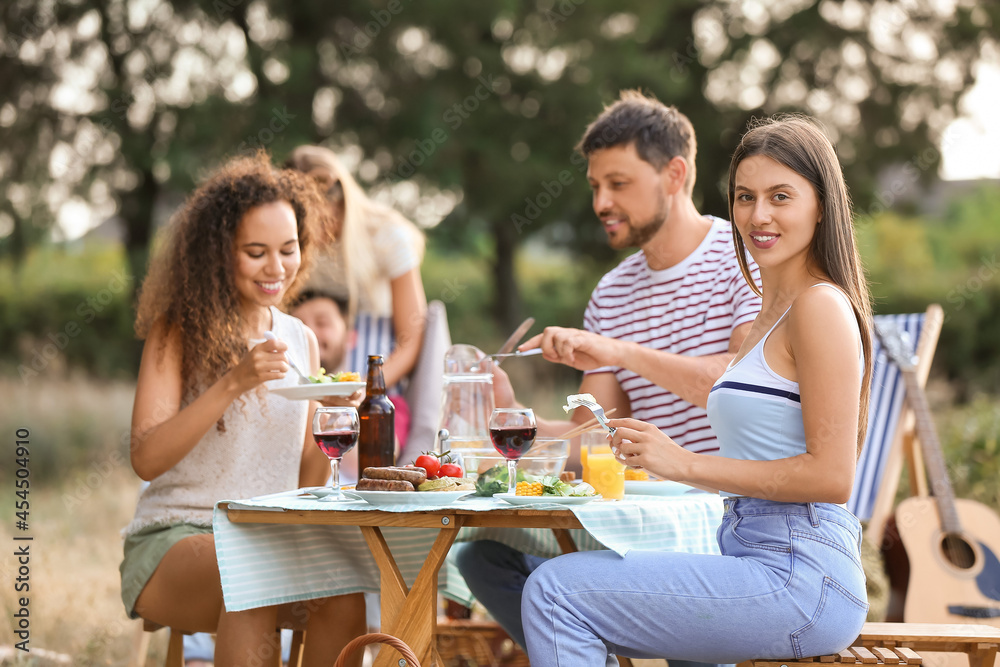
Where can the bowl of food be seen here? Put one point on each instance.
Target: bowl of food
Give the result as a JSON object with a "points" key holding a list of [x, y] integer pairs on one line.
{"points": [[546, 457]]}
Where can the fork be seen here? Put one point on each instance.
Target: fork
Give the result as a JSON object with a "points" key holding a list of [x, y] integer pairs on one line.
{"points": [[587, 401], [268, 335]]}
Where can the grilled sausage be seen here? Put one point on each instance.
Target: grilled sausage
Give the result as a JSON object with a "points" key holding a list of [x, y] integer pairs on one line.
{"points": [[365, 484], [415, 476]]}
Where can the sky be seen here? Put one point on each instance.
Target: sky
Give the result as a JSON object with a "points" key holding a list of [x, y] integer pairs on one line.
{"points": [[971, 144]]}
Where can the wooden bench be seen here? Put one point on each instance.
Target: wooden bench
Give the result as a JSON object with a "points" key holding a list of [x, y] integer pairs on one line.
{"points": [[902, 643]]}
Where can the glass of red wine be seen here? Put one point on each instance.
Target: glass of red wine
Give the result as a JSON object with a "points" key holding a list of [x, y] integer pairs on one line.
{"points": [[512, 431], [336, 432]]}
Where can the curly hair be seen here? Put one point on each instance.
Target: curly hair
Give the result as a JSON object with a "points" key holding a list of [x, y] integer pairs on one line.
{"points": [[190, 288]]}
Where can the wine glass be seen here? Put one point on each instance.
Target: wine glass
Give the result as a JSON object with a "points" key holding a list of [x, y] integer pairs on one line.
{"points": [[336, 432], [512, 431]]}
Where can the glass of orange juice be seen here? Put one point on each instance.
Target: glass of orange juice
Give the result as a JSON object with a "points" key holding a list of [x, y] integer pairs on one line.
{"points": [[600, 467]]}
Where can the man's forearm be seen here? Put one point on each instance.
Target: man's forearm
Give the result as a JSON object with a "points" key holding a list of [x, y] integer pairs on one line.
{"points": [[690, 378], [551, 428]]}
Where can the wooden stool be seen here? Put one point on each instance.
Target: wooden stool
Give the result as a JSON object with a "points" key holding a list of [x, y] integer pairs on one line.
{"points": [[873, 655], [175, 646]]}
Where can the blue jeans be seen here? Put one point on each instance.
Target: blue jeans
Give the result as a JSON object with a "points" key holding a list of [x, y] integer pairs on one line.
{"points": [[201, 646], [788, 584], [495, 573]]}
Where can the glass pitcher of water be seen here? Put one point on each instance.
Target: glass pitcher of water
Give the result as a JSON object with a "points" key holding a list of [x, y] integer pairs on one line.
{"points": [[466, 406]]}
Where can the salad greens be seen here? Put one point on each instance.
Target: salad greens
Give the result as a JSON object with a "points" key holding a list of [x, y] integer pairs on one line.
{"points": [[342, 376], [553, 486], [494, 481]]}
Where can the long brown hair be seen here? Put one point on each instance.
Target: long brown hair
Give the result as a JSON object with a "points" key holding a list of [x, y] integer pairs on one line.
{"points": [[190, 289], [799, 144]]}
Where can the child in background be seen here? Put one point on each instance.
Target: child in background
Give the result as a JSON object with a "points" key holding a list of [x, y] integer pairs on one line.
{"points": [[327, 316]]}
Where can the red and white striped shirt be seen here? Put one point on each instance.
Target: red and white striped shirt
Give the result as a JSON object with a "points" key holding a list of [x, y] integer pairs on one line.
{"points": [[689, 309]]}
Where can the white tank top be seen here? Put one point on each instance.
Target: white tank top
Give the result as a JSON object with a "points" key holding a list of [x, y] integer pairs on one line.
{"points": [[757, 414], [259, 452]]}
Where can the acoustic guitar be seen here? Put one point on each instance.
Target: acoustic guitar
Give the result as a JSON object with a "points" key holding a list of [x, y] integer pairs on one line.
{"points": [[951, 544]]}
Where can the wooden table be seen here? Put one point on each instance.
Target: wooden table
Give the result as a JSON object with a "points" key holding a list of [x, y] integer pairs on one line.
{"points": [[411, 613]]}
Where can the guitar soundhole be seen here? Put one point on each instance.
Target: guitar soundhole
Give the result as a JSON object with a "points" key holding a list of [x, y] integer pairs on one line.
{"points": [[958, 552]]}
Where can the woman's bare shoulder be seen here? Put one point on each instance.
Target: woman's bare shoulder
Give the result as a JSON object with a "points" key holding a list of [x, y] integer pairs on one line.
{"points": [[822, 313], [163, 343]]}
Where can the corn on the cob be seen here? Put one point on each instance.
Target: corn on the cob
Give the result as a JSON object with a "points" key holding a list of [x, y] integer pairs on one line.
{"points": [[529, 489]]}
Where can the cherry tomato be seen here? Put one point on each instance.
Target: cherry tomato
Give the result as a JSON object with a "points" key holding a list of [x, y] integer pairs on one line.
{"points": [[428, 463], [450, 470]]}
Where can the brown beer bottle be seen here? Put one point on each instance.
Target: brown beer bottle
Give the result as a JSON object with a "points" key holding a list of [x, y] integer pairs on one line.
{"points": [[377, 437]]}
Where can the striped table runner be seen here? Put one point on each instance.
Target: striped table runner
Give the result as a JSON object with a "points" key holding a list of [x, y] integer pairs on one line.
{"points": [[267, 564]]}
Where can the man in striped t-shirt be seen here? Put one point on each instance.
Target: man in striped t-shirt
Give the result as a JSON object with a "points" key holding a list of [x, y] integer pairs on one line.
{"points": [[660, 327], [663, 324], [667, 334]]}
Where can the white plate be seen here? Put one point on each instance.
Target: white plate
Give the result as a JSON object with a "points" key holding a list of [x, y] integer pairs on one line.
{"points": [[380, 498], [655, 487], [541, 500], [300, 392]]}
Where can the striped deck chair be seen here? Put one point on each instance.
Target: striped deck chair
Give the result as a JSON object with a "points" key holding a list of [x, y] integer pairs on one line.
{"points": [[891, 437]]}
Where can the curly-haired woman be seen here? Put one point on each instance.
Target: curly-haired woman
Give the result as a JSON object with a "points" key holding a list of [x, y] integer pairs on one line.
{"points": [[204, 427]]}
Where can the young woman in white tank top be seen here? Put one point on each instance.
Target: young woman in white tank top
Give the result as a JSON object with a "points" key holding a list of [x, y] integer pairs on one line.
{"points": [[789, 414]]}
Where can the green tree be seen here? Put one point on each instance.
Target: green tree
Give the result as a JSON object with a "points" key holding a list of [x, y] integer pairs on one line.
{"points": [[122, 104], [487, 99]]}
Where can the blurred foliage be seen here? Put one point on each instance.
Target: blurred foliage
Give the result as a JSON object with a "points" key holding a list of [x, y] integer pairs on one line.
{"points": [[467, 107], [557, 288], [68, 309], [911, 261], [972, 448], [953, 261], [970, 441], [78, 426]]}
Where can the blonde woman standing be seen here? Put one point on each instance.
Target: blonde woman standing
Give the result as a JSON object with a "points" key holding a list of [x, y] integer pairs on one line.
{"points": [[372, 257]]}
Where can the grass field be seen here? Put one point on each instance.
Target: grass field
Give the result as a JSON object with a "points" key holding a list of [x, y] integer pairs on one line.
{"points": [[82, 493], [75, 605]]}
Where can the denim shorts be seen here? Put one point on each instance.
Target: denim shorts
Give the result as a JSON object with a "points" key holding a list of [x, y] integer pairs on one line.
{"points": [[789, 584]]}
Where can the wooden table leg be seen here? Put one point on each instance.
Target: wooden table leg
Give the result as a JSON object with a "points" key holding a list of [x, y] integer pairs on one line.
{"points": [[410, 614], [982, 655], [565, 541]]}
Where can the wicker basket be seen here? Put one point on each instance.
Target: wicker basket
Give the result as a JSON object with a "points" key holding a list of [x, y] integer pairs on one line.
{"points": [[377, 638]]}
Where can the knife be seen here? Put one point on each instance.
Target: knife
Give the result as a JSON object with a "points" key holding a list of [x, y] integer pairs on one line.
{"points": [[508, 345], [527, 353]]}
